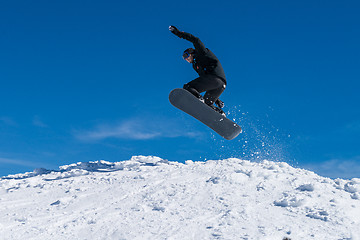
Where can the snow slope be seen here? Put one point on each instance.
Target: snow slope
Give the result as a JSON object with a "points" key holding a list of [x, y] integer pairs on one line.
{"points": [[151, 198]]}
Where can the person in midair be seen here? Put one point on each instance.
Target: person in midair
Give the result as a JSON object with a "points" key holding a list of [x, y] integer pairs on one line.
{"points": [[211, 78]]}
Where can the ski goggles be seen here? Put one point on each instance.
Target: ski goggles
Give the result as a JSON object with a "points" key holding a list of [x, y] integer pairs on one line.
{"points": [[186, 55]]}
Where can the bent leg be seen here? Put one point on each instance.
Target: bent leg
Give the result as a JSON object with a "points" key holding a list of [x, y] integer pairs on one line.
{"points": [[213, 94], [196, 86], [213, 85]]}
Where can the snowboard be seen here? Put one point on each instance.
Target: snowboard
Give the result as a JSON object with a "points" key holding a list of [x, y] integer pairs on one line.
{"points": [[188, 103]]}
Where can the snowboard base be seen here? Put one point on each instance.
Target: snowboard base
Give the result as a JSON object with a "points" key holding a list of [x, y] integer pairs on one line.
{"points": [[188, 103]]}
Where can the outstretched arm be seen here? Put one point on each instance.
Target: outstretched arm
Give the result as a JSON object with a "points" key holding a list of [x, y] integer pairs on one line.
{"points": [[198, 44]]}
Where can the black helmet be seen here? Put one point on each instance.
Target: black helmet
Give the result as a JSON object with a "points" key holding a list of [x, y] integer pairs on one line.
{"points": [[187, 52]]}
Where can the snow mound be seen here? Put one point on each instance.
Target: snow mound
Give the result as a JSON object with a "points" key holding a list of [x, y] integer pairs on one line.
{"points": [[152, 198]]}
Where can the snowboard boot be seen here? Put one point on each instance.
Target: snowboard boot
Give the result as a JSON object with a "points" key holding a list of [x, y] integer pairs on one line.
{"points": [[219, 110], [219, 103]]}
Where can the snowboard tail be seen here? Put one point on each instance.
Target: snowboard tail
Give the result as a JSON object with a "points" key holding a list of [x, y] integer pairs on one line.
{"points": [[188, 103]]}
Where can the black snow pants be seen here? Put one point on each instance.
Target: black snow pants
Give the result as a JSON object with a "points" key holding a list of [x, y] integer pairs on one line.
{"points": [[213, 85]]}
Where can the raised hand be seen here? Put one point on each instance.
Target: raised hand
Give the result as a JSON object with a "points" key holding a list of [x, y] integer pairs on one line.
{"points": [[174, 30]]}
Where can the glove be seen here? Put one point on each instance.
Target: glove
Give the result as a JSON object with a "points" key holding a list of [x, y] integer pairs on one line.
{"points": [[174, 30]]}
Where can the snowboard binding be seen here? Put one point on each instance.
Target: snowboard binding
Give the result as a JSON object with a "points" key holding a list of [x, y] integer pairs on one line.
{"points": [[219, 110], [219, 103]]}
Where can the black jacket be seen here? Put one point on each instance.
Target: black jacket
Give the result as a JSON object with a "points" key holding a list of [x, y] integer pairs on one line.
{"points": [[205, 62]]}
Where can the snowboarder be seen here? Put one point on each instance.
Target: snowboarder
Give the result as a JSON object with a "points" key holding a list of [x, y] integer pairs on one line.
{"points": [[211, 74]]}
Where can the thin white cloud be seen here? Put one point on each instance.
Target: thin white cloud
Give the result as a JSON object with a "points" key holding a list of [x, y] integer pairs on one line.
{"points": [[136, 129], [337, 168], [7, 121], [19, 162], [123, 130], [38, 122], [353, 127]]}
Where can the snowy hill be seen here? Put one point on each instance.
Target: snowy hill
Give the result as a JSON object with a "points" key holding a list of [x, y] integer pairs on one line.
{"points": [[151, 198]]}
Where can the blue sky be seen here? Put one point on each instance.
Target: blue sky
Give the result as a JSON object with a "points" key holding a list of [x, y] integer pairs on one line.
{"points": [[89, 80]]}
